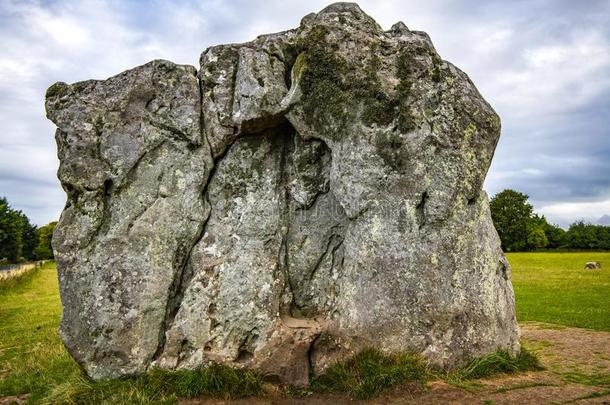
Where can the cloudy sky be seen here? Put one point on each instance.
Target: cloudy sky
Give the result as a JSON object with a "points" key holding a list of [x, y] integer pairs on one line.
{"points": [[544, 65]]}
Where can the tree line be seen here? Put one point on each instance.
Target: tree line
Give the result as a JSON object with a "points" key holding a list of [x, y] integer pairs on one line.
{"points": [[520, 229], [20, 240]]}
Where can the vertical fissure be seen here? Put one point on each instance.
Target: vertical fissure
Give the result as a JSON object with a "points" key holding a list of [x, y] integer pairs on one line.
{"points": [[284, 225], [183, 276], [420, 212]]}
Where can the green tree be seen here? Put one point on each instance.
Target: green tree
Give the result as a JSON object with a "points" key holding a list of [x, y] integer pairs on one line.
{"points": [[536, 239], [555, 235], [580, 236], [11, 232], [29, 238], [45, 235], [511, 216], [536, 235], [588, 236]]}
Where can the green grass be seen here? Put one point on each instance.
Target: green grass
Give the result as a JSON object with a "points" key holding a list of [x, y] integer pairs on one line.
{"points": [[596, 380], [549, 287], [32, 358], [369, 373], [554, 288], [498, 362], [160, 387], [489, 365], [11, 283]]}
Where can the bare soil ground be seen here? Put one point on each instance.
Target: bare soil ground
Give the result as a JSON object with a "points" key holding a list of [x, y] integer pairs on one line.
{"points": [[577, 371]]}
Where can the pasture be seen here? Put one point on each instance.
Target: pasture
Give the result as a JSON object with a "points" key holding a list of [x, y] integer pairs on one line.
{"points": [[553, 288], [554, 297]]}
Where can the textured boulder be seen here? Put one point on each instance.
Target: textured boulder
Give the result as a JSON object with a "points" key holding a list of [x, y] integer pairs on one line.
{"points": [[302, 196]]}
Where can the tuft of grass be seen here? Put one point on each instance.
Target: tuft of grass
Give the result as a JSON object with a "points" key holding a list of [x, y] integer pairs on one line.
{"points": [[161, 387], [495, 363], [369, 373]]}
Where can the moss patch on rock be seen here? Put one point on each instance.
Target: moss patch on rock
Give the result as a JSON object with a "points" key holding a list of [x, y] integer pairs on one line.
{"points": [[335, 92], [321, 71]]}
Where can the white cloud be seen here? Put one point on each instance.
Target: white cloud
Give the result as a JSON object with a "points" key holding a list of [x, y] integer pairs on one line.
{"points": [[555, 78], [564, 213], [41, 45]]}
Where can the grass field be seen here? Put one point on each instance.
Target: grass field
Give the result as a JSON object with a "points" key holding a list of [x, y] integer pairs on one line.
{"points": [[554, 288], [549, 287], [32, 358]]}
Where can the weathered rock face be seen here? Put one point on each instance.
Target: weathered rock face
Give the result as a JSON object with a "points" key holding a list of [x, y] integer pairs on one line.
{"points": [[301, 197]]}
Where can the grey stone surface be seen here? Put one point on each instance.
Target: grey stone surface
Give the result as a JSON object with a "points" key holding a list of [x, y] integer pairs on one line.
{"points": [[302, 196]]}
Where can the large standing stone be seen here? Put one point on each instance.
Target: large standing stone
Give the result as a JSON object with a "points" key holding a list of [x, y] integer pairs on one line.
{"points": [[310, 193]]}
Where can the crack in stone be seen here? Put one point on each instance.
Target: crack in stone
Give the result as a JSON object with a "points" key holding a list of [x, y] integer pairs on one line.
{"points": [[334, 240], [420, 212]]}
